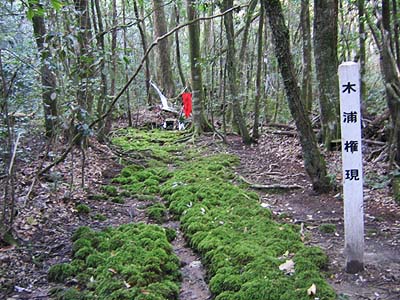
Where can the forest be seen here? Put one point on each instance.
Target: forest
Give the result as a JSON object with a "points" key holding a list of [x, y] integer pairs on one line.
{"points": [[192, 149]]}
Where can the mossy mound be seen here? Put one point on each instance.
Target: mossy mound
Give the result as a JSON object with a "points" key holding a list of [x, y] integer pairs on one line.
{"points": [[133, 261], [142, 181], [159, 145], [242, 247]]}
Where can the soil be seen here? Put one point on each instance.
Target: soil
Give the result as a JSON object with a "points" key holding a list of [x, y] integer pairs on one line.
{"points": [[45, 223]]}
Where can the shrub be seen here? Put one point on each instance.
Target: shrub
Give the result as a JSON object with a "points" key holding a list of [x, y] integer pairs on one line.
{"points": [[82, 209]]}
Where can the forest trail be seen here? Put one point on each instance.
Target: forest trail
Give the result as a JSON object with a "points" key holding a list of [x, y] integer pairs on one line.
{"points": [[194, 286], [47, 223]]}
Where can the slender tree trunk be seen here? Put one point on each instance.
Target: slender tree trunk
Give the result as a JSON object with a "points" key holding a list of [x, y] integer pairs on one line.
{"points": [[396, 34], [362, 36], [163, 48], [306, 91], [326, 66], [199, 119], [102, 99], [144, 46], [232, 73], [244, 45], [84, 57], [390, 73], [314, 162], [128, 100], [177, 48], [48, 78], [260, 53]]}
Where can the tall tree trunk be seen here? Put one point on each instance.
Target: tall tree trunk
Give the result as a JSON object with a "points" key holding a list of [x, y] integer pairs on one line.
{"points": [[396, 34], [163, 49], [391, 76], [306, 91], [84, 57], [256, 133], [232, 72], [177, 48], [102, 99], [362, 36], [326, 66], [314, 162], [128, 100], [199, 119], [144, 46], [48, 78], [244, 45]]}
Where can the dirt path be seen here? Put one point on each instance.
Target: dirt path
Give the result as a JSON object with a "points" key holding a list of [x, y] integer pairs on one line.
{"points": [[45, 225], [194, 286]]}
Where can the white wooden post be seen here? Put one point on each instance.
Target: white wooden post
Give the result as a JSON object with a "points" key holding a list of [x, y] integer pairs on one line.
{"points": [[350, 115]]}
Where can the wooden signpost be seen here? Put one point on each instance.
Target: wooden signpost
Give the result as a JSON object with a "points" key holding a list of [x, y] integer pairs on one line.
{"points": [[349, 80]]}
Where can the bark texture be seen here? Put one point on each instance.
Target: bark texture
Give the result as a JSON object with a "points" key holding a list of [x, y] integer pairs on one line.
{"points": [[326, 66], [314, 162], [84, 55], [199, 119], [48, 78], [163, 50], [306, 90], [231, 64]]}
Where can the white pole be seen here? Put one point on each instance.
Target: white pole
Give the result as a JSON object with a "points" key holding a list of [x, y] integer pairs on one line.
{"points": [[350, 114]]}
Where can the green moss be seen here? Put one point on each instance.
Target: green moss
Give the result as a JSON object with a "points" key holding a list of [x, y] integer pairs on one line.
{"points": [[136, 255], [99, 217], [82, 209], [140, 197], [68, 294], [110, 190], [170, 233], [239, 242], [327, 228], [157, 212], [241, 246], [60, 272], [98, 197], [81, 232], [117, 199]]}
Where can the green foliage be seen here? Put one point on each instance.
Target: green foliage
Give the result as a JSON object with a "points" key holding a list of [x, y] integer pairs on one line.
{"points": [[110, 190], [171, 234], [99, 217], [60, 272], [157, 212], [82, 209], [156, 144], [98, 197], [120, 263], [117, 199], [240, 244], [68, 294]]}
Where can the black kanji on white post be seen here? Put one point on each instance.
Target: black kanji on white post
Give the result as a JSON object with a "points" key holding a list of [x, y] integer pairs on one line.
{"points": [[349, 78]]}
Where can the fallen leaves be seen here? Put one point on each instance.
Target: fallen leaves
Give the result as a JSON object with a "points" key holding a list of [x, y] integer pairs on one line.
{"points": [[312, 290], [288, 267]]}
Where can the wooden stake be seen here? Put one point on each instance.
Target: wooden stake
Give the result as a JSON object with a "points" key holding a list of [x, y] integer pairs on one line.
{"points": [[349, 85]]}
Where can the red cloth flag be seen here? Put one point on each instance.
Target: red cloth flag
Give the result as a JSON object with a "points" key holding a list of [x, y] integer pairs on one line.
{"points": [[187, 104]]}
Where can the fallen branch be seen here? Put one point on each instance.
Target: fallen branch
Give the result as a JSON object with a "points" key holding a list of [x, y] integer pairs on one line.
{"points": [[275, 186]]}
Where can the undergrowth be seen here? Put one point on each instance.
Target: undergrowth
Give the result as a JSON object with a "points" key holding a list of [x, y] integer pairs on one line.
{"points": [[132, 261], [241, 246]]}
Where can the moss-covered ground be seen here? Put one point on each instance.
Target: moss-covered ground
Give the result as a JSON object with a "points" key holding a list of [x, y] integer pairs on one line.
{"points": [[132, 261], [247, 254]]}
